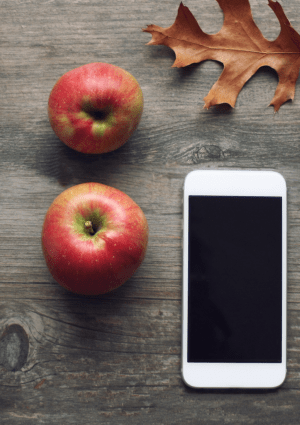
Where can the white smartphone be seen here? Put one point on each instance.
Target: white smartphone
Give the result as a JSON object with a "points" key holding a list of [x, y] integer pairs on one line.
{"points": [[234, 279]]}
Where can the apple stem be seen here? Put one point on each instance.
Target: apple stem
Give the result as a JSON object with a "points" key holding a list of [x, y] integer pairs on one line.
{"points": [[89, 227]]}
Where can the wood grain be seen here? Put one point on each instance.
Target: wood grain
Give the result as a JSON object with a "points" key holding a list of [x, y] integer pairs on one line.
{"points": [[115, 359]]}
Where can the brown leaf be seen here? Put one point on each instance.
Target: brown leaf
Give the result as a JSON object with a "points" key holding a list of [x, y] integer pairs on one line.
{"points": [[239, 45]]}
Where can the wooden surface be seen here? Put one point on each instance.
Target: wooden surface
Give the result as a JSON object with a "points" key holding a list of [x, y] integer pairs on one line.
{"points": [[115, 359]]}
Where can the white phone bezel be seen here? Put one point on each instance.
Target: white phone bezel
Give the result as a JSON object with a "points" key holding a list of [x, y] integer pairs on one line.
{"points": [[234, 183]]}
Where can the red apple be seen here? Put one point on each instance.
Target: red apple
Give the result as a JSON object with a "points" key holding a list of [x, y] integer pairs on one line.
{"points": [[95, 108], [94, 238]]}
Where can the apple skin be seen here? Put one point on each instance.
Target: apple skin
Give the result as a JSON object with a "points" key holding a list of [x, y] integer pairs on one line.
{"points": [[94, 264], [95, 108]]}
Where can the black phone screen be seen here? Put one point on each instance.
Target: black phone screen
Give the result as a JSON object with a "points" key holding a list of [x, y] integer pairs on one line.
{"points": [[235, 279]]}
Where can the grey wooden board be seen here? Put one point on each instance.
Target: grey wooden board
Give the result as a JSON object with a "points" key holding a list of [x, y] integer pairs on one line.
{"points": [[116, 359]]}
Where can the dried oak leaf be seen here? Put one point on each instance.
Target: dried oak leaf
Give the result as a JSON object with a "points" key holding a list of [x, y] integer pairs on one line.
{"points": [[239, 45]]}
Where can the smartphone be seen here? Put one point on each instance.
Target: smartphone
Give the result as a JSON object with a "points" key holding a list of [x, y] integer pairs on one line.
{"points": [[234, 279]]}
